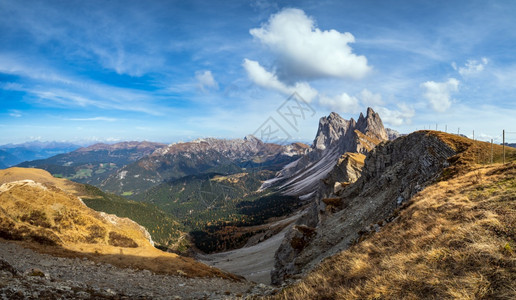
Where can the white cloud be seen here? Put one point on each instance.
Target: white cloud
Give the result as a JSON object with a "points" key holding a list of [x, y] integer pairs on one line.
{"points": [[438, 93], [472, 66], [206, 80], [369, 98], [403, 115], [269, 80], [343, 103], [306, 52]]}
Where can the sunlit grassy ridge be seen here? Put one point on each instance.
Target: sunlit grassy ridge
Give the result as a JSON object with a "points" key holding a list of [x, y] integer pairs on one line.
{"points": [[164, 229], [454, 240]]}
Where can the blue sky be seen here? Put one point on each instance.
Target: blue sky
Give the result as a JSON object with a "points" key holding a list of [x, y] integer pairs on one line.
{"points": [[170, 71]]}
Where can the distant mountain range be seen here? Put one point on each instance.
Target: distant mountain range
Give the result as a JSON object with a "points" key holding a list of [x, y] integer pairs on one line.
{"points": [[211, 184], [94, 163], [200, 156], [12, 154]]}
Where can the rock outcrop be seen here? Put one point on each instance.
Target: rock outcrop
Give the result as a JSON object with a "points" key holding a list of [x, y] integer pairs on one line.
{"points": [[346, 171], [335, 136], [393, 172]]}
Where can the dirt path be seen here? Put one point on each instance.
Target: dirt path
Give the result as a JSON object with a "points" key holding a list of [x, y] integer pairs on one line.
{"points": [[255, 262]]}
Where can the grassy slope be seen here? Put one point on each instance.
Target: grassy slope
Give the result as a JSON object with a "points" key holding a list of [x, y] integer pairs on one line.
{"points": [[162, 227], [455, 239]]}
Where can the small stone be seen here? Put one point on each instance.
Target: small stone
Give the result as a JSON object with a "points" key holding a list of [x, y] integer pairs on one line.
{"points": [[110, 291], [36, 272]]}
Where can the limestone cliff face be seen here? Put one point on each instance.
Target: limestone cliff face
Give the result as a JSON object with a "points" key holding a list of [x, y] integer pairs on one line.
{"points": [[393, 172], [335, 136], [330, 131], [346, 171]]}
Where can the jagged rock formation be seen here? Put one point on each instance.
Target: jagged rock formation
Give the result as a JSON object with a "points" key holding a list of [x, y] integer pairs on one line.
{"points": [[392, 174], [200, 156], [335, 136]]}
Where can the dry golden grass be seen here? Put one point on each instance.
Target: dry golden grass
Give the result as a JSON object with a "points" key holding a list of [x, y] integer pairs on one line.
{"points": [[38, 175], [359, 158], [454, 240], [472, 152], [36, 212]]}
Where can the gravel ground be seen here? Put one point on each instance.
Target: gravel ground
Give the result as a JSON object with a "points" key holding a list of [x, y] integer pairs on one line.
{"points": [[25, 274]]}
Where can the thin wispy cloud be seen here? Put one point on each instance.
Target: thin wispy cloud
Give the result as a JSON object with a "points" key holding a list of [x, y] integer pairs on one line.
{"points": [[105, 119], [15, 113]]}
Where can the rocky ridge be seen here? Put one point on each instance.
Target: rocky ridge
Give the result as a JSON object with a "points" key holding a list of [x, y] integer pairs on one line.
{"points": [[347, 170], [393, 172]]}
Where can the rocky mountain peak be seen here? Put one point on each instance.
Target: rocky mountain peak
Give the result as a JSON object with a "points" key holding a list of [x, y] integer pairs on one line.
{"points": [[330, 129], [335, 137], [333, 128], [372, 125]]}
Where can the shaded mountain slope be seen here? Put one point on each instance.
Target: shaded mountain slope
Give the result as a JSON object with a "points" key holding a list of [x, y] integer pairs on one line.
{"points": [[456, 239], [7, 159], [34, 150]]}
